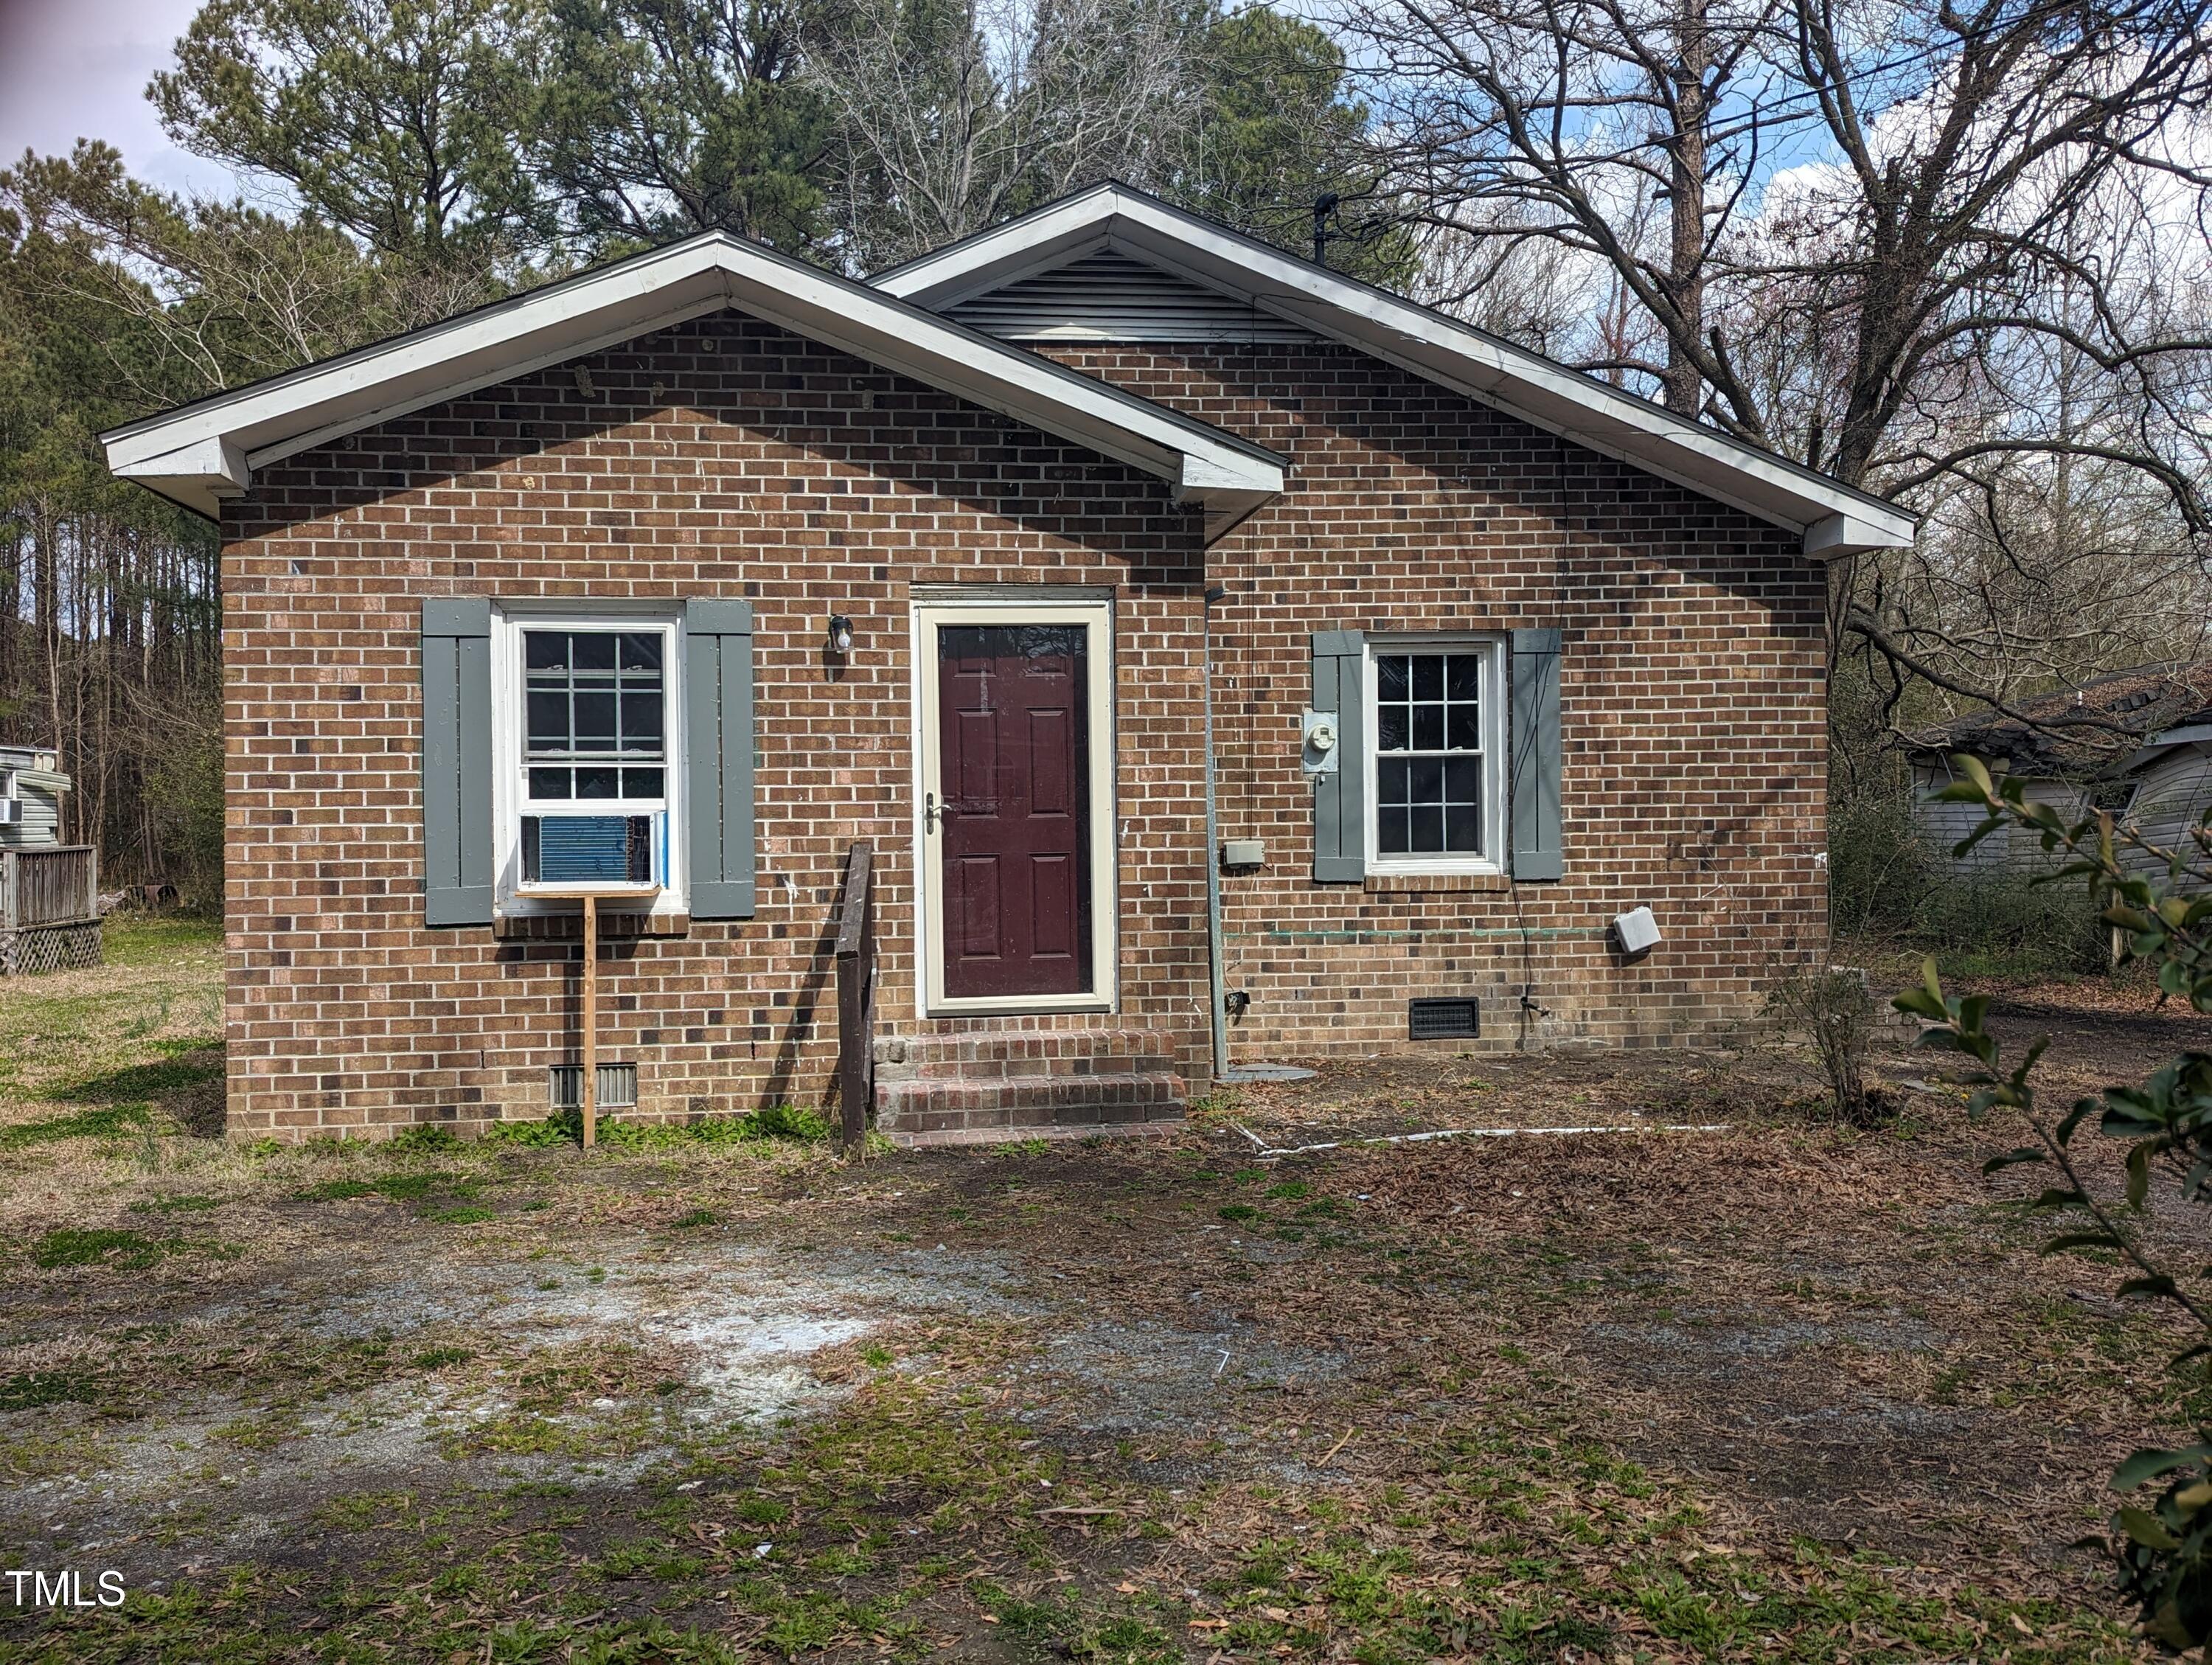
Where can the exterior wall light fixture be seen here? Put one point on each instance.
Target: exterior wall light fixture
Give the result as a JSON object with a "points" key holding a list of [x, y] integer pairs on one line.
{"points": [[841, 635]]}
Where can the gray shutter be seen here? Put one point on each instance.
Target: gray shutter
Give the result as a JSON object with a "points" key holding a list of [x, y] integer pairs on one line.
{"points": [[457, 770], [1535, 707], [717, 738], [1340, 668]]}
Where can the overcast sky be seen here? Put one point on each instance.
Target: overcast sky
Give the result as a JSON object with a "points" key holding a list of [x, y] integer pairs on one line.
{"points": [[78, 69]]}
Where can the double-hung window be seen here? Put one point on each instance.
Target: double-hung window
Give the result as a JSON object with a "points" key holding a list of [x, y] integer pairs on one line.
{"points": [[592, 762], [1436, 755]]}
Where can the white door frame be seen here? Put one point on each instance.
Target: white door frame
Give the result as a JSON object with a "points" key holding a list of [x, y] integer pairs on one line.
{"points": [[1095, 618]]}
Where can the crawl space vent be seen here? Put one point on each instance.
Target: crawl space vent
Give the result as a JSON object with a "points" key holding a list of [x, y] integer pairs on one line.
{"points": [[617, 1086], [1443, 1020]]}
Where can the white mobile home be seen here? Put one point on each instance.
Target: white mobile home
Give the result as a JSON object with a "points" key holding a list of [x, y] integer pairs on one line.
{"points": [[48, 890]]}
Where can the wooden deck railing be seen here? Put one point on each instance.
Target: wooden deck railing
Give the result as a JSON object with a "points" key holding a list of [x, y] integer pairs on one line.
{"points": [[59, 886], [856, 998]]}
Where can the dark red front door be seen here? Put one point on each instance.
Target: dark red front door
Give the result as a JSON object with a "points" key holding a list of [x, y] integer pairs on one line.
{"points": [[1015, 828]]}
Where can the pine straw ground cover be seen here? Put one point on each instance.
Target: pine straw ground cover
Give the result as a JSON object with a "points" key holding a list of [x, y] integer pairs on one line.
{"points": [[1780, 1392]]}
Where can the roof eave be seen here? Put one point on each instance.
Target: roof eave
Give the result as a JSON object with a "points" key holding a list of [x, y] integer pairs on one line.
{"points": [[1832, 519], [202, 453], [2196, 736]]}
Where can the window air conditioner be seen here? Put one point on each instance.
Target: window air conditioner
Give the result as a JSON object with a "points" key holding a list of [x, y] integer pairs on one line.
{"points": [[589, 852]]}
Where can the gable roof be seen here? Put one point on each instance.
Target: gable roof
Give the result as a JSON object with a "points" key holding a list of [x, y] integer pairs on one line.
{"points": [[199, 453], [1834, 518], [2112, 714]]}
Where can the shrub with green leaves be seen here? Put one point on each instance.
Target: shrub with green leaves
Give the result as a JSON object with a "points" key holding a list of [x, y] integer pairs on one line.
{"points": [[790, 1122], [2164, 1551], [428, 1136], [2006, 922], [1878, 873], [2159, 903]]}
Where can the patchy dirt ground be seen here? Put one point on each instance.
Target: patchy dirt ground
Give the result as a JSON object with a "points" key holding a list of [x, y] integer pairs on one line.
{"points": [[1781, 1390]]}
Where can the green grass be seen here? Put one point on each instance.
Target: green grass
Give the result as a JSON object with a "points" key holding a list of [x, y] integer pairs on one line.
{"points": [[167, 1079], [131, 1250], [106, 1121], [879, 1529], [1506, 1529], [34, 1390], [399, 1188], [135, 939], [413, 1188], [158, 998], [184, 1205], [336, 1190]]}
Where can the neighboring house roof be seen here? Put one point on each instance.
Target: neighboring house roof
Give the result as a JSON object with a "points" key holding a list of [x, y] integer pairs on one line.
{"points": [[1834, 519], [2072, 733], [2193, 730], [199, 453]]}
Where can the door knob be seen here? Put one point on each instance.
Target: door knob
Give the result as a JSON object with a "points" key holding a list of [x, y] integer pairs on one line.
{"points": [[930, 812]]}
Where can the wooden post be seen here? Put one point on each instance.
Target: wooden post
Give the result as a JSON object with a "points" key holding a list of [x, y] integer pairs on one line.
{"points": [[590, 1095], [852, 1062], [855, 975]]}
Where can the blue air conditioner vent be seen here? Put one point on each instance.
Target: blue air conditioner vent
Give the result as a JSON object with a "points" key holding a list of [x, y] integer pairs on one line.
{"points": [[587, 849]]}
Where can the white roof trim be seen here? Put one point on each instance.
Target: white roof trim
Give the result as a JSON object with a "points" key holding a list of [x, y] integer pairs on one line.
{"points": [[2198, 735], [1834, 518], [200, 454]]}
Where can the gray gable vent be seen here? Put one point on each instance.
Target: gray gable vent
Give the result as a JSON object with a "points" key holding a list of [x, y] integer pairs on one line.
{"points": [[1109, 296]]}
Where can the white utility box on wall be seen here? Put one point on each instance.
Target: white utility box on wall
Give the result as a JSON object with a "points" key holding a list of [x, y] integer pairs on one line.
{"points": [[1637, 931]]}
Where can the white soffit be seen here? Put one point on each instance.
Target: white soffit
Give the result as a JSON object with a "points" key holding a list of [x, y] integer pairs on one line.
{"points": [[200, 454], [1834, 519]]}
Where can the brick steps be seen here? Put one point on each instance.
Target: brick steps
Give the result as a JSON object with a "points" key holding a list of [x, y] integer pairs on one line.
{"points": [[976, 1088], [924, 1112]]}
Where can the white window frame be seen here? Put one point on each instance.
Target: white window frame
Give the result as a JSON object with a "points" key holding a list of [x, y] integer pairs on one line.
{"points": [[1493, 648], [509, 622], [1095, 616]]}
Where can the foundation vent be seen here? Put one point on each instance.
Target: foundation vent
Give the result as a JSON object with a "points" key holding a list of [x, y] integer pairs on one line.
{"points": [[1444, 1020], [617, 1086]]}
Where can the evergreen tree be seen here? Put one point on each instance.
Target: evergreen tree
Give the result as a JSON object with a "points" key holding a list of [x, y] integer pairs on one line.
{"points": [[1276, 133], [656, 119], [399, 120]]}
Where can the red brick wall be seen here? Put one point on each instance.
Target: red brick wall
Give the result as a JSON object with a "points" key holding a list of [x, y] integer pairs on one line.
{"points": [[719, 457], [724, 457], [1692, 694]]}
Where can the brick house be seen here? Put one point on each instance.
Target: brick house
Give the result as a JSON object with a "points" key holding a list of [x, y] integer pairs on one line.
{"points": [[673, 582]]}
